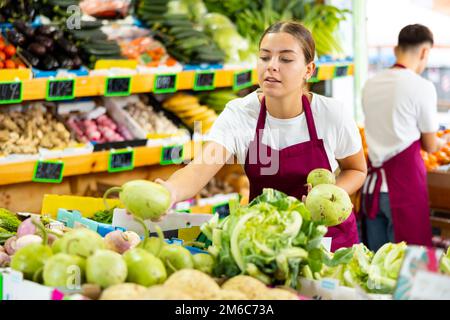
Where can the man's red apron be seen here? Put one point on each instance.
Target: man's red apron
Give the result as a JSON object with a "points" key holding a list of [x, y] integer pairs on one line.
{"points": [[294, 164], [406, 178]]}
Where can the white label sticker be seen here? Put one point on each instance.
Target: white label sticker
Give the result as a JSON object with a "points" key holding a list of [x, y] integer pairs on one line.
{"points": [[326, 242], [430, 286]]}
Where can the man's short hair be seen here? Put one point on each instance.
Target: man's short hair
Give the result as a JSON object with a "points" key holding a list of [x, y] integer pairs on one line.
{"points": [[414, 35]]}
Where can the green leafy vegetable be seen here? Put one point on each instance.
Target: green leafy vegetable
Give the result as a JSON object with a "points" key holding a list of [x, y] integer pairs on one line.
{"points": [[272, 239]]}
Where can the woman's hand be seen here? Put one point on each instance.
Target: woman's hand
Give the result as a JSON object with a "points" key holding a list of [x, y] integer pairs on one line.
{"points": [[309, 187]]}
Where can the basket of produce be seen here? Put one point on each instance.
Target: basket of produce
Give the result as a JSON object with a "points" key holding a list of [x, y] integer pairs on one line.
{"points": [[45, 49]]}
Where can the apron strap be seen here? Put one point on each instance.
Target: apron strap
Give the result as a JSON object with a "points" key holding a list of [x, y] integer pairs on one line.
{"points": [[261, 120], [308, 115], [399, 65], [372, 205], [309, 119]]}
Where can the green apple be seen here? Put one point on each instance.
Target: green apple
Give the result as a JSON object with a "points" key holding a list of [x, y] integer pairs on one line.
{"points": [[320, 176], [329, 204]]}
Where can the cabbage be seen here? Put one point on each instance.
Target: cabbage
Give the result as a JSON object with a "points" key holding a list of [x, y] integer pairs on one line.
{"points": [[272, 239], [195, 9], [445, 262], [225, 35], [353, 266], [385, 267]]}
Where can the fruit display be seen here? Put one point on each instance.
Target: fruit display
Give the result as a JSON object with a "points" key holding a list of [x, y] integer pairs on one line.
{"points": [[44, 47], [8, 56], [98, 129], [218, 99], [190, 111], [24, 132], [438, 158], [178, 33], [150, 120]]}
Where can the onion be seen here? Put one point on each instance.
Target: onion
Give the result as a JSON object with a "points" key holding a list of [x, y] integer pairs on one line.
{"points": [[10, 245], [26, 227], [2, 249], [27, 240], [120, 242], [4, 260]]}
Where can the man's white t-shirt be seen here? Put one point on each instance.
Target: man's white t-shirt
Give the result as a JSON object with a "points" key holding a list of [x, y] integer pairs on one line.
{"points": [[398, 106], [235, 128]]}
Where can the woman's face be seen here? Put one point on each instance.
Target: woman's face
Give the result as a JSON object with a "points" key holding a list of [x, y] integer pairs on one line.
{"points": [[281, 65]]}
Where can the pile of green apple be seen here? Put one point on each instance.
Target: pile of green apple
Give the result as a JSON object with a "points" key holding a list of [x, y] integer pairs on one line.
{"points": [[326, 201]]}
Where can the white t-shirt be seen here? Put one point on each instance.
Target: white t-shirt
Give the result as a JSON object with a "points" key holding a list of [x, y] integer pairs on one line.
{"points": [[235, 128], [398, 106]]}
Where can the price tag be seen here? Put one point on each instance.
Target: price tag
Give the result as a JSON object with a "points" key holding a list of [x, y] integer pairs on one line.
{"points": [[117, 86], [60, 89], [121, 160], [314, 77], [340, 71], [165, 83], [204, 80], [48, 171], [172, 155], [242, 79], [222, 208], [11, 92]]}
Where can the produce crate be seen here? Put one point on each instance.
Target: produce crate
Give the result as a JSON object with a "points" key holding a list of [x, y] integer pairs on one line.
{"points": [[439, 194]]}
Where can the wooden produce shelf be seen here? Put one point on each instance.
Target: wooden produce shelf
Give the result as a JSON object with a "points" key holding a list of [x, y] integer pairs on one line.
{"points": [[439, 190], [84, 164], [94, 85]]}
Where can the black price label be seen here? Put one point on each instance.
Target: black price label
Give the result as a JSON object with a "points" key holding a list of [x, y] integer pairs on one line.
{"points": [[121, 160], [340, 71], [223, 209], [117, 86], [242, 79], [314, 77], [165, 83], [48, 171], [10, 92], [60, 89], [204, 80], [172, 155]]}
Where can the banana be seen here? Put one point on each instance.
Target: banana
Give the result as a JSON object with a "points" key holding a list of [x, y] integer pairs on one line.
{"points": [[180, 100], [192, 112], [201, 117]]}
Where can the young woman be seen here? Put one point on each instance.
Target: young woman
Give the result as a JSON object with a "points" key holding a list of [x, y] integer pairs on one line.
{"points": [[282, 132]]}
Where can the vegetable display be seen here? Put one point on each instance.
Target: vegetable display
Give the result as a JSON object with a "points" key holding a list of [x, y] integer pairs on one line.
{"points": [[24, 132], [44, 47], [273, 239], [144, 199]]}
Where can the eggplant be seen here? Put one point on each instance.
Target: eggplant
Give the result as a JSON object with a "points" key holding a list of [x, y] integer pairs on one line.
{"points": [[57, 34], [16, 38], [37, 49], [77, 62], [45, 30], [64, 61], [49, 63], [67, 46], [48, 43], [31, 58], [24, 28]]}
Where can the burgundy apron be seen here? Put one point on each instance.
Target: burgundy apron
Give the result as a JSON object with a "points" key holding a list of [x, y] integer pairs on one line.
{"points": [[406, 178], [294, 164]]}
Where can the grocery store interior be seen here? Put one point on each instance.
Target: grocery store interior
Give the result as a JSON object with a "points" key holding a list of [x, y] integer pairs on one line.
{"points": [[109, 110]]}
